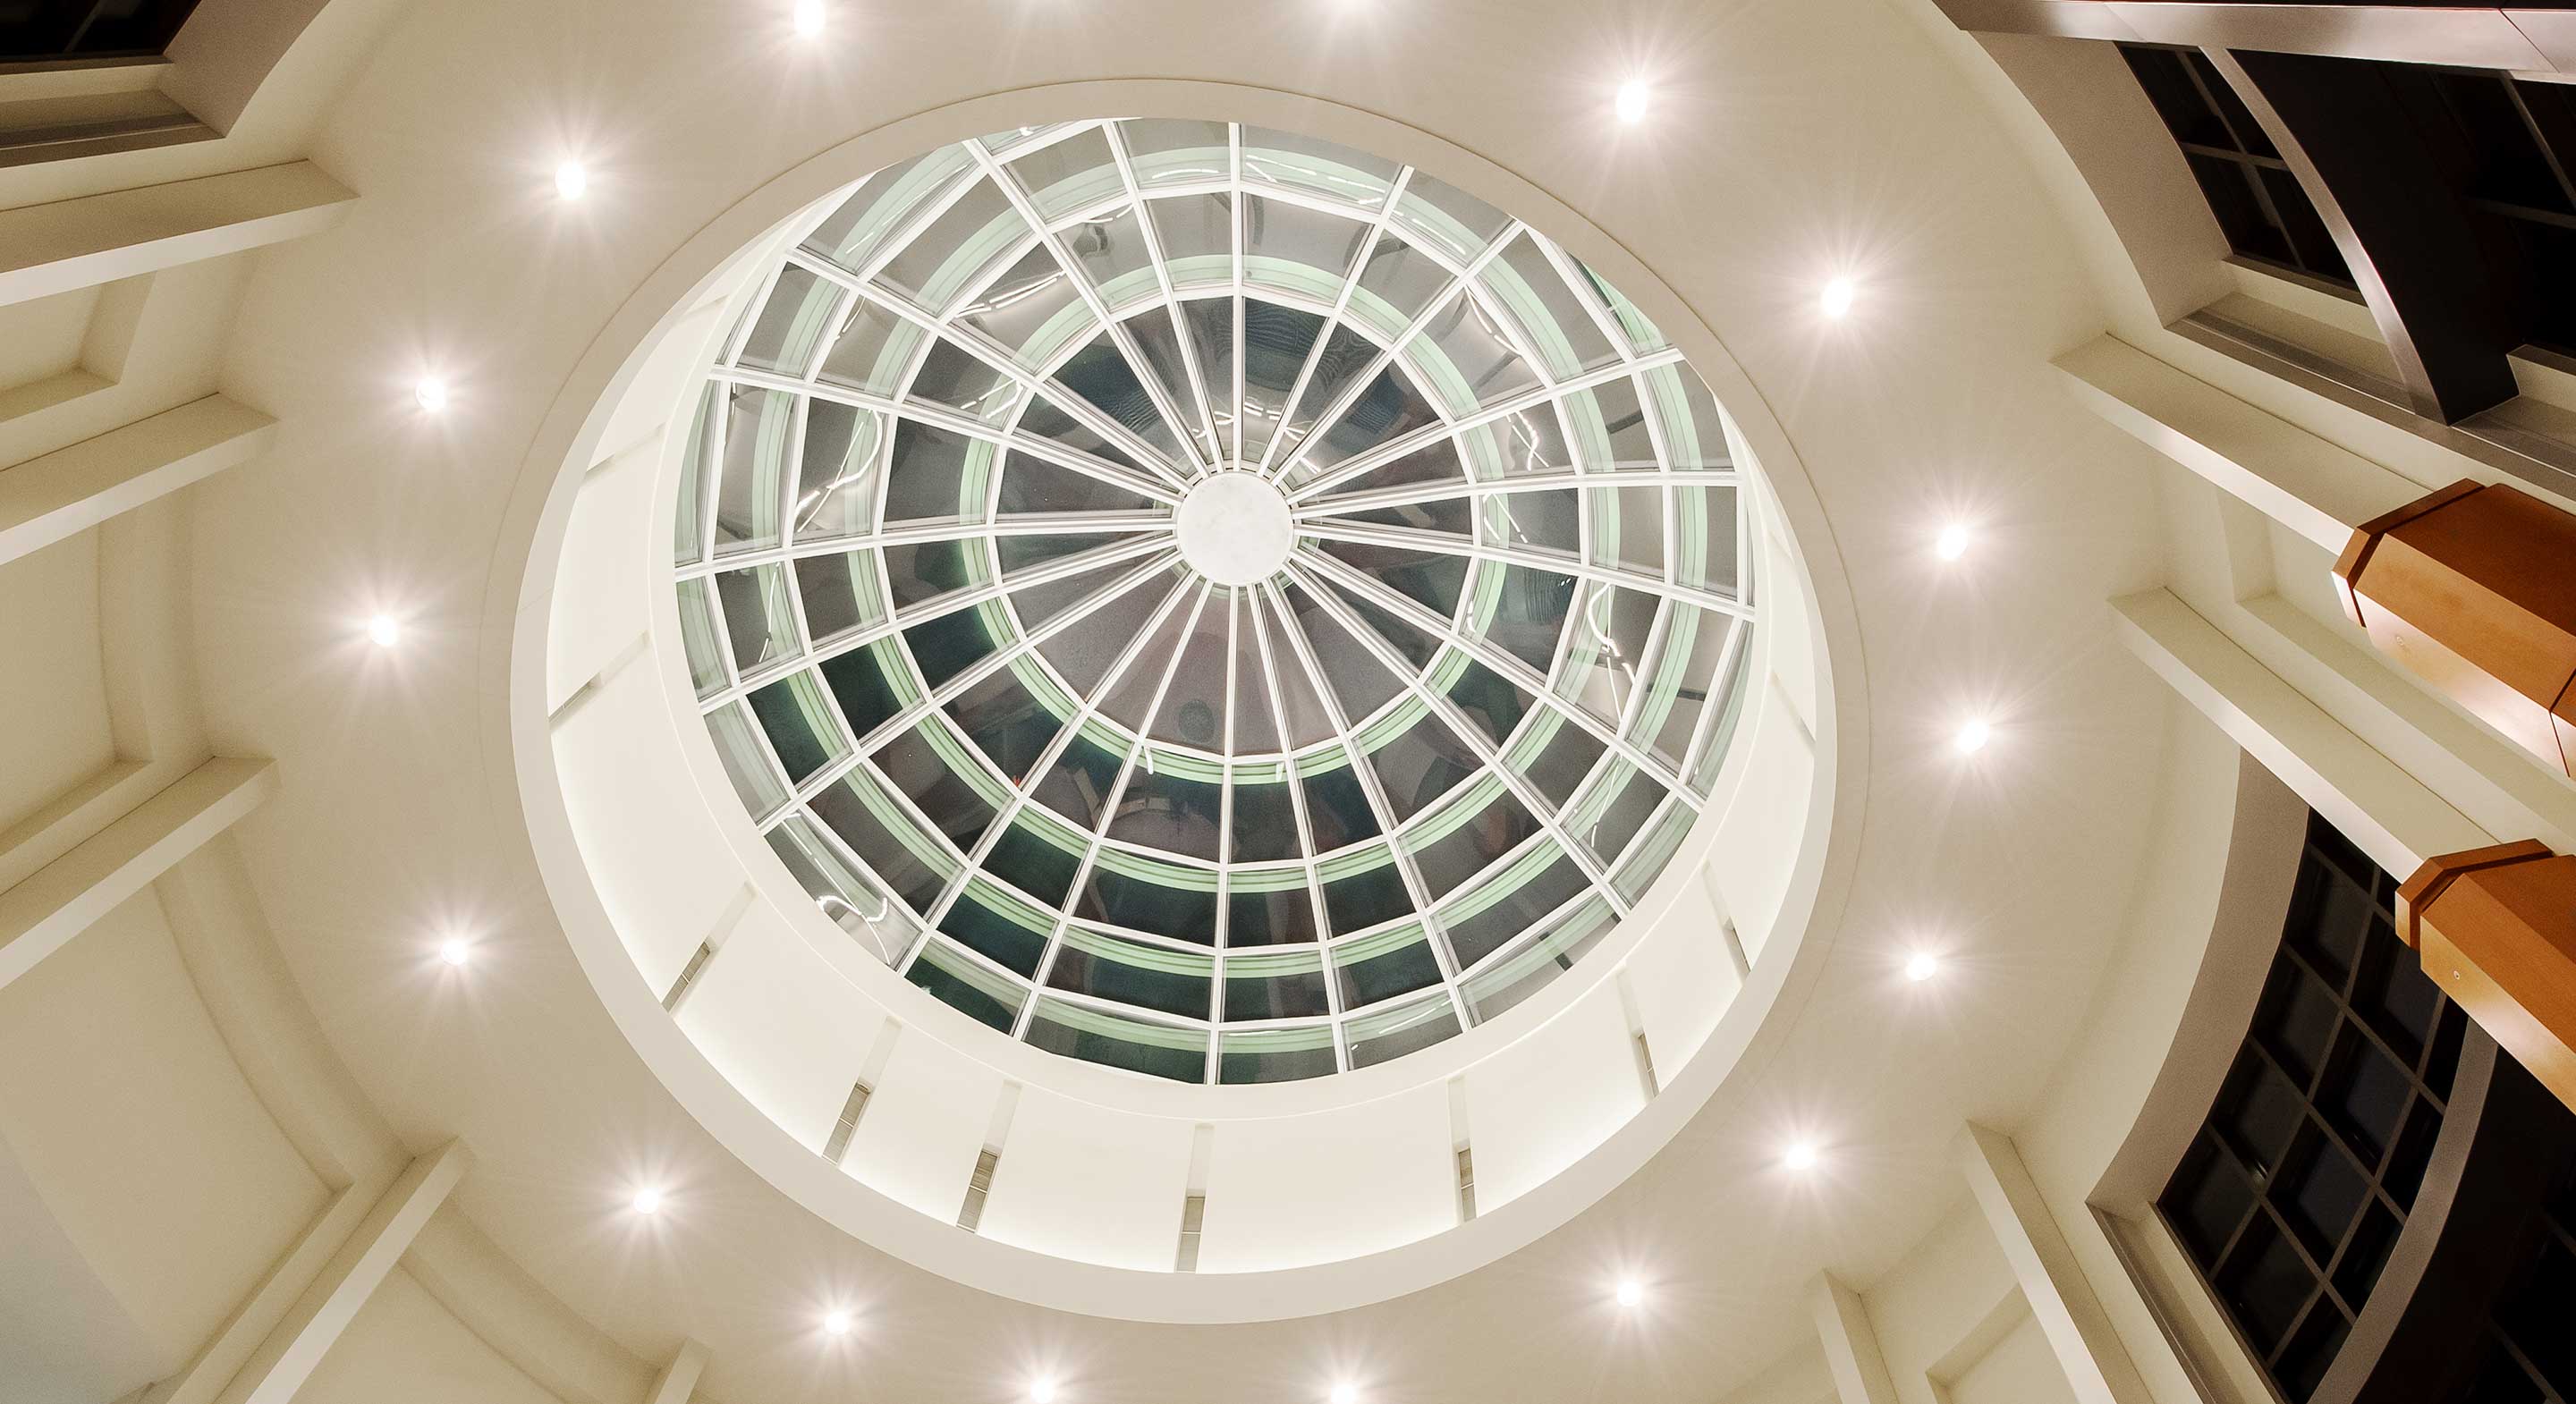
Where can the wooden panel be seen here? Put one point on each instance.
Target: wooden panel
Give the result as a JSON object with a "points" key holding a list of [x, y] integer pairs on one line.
{"points": [[2497, 931], [2469, 588]]}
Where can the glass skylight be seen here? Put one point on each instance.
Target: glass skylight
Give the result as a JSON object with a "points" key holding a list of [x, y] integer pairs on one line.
{"points": [[1206, 601]]}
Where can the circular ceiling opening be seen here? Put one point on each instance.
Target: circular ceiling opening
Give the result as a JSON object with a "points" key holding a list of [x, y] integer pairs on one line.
{"points": [[1206, 601]]}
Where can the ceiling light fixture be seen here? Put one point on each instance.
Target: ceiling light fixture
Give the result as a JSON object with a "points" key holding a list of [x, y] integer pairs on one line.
{"points": [[1953, 542], [1922, 966], [1801, 1155], [837, 1324], [383, 631], [648, 1201], [571, 180], [432, 394], [1631, 102], [1631, 1291], [809, 17], [1974, 736], [1041, 1391], [1839, 296], [455, 952]]}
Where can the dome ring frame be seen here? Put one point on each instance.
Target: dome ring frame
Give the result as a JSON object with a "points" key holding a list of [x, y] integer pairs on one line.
{"points": [[515, 610]]}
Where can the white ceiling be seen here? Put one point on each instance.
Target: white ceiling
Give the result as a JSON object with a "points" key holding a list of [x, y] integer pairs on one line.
{"points": [[1786, 144]]}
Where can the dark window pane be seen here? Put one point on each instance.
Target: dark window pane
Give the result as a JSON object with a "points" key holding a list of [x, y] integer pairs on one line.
{"points": [[2264, 1283]]}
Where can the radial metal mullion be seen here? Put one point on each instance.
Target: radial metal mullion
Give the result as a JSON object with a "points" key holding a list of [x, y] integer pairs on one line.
{"points": [[1262, 603], [1650, 660], [1163, 279], [1417, 682], [738, 335], [1502, 663], [1234, 213], [1117, 788], [847, 302], [1021, 792], [1434, 933], [1462, 286], [1117, 330], [1234, 607], [1072, 405], [1394, 449], [1366, 534], [1410, 493], [1593, 307], [931, 533], [1534, 933], [933, 699], [899, 238], [1305, 825], [958, 422], [1341, 306], [1704, 731], [896, 622]]}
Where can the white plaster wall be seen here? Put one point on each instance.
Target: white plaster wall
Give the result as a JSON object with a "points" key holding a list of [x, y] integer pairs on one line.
{"points": [[1537, 1106], [1087, 1182], [1260, 1213], [405, 1348], [1936, 1298], [129, 1118], [52, 690], [772, 1014], [2017, 1370], [924, 1127], [650, 813]]}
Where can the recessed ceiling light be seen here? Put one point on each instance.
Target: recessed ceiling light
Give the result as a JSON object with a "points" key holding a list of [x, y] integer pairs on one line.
{"points": [[432, 394], [1631, 102], [383, 631], [837, 1324], [571, 180], [1631, 1291], [648, 1200], [1922, 966], [1953, 543], [1839, 295], [1973, 736], [809, 17], [1041, 1391], [1346, 1394], [1801, 1155], [455, 952]]}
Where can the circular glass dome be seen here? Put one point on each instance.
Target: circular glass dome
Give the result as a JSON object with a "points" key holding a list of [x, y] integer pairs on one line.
{"points": [[1207, 601]]}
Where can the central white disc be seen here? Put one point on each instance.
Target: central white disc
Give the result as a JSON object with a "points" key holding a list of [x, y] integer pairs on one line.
{"points": [[1235, 529]]}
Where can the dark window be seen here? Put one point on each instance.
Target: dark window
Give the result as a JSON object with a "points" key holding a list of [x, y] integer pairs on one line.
{"points": [[2508, 144], [2260, 207], [2529, 1347], [35, 30], [2293, 1192]]}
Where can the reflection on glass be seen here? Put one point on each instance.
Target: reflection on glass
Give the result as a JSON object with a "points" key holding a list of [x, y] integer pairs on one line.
{"points": [[1155, 1050], [1390, 1034], [1300, 813], [1276, 1055]]}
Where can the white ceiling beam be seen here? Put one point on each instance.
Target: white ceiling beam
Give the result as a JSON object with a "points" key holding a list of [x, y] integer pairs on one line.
{"points": [[46, 499], [1851, 1344], [2315, 488], [679, 1379], [286, 1358], [2070, 1315], [2396, 818], [222, 1357], [61, 899], [72, 244]]}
